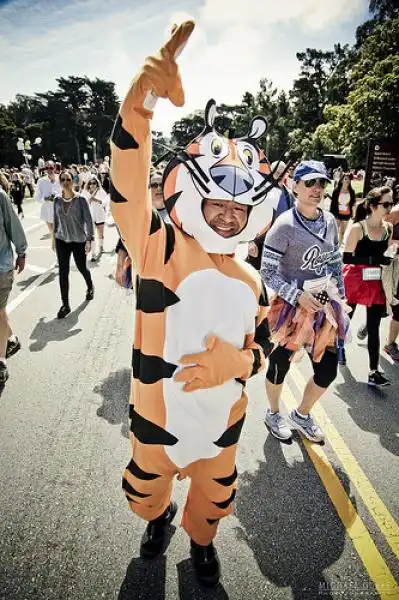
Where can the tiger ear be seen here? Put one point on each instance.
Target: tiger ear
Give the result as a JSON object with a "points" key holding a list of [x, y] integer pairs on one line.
{"points": [[210, 113], [257, 128]]}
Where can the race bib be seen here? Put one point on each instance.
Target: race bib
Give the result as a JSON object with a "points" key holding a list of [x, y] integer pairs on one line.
{"points": [[371, 274]]}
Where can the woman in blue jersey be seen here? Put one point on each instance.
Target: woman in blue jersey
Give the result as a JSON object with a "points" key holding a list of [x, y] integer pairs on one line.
{"points": [[301, 253]]}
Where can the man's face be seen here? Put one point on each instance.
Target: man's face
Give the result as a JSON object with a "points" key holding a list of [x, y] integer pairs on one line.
{"points": [[311, 192], [225, 217]]}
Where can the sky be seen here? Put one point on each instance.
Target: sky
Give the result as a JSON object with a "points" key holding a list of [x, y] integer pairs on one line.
{"points": [[234, 45]]}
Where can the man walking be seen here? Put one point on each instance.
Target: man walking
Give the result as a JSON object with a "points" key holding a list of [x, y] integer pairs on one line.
{"points": [[11, 231]]}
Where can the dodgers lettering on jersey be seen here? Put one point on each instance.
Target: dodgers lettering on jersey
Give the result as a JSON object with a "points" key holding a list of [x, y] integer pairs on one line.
{"points": [[314, 259], [307, 248]]}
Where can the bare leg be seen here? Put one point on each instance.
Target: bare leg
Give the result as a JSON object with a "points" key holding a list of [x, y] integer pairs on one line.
{"points": [[311, 395], [273, 392], [100, 234], [5, 331], [393, 331], [50, 227], [344, 225]]}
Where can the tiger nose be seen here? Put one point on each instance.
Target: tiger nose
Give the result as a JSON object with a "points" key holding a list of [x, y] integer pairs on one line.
{"points": [[232, 179]]}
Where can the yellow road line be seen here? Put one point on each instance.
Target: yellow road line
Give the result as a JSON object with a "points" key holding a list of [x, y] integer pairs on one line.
{"points": [[374, 563], [381, 515]]}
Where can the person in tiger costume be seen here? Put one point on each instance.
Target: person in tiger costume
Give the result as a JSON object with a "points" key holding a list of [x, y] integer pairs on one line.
{"points": [[200, 323]]}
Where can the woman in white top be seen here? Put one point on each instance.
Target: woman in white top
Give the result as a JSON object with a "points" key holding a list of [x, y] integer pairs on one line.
{"points": [[47, 189], [343, 200], [98, 203]]}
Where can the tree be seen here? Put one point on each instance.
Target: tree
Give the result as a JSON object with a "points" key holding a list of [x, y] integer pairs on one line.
{"points": [[309, 92], [102, 109]]}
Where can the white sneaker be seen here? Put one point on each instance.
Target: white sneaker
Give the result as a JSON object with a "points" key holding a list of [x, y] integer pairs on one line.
{"points": [[307, 427], [277, 425]]}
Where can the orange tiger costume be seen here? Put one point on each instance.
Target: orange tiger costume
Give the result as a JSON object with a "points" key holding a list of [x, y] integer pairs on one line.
{"points": [[193, 296]]}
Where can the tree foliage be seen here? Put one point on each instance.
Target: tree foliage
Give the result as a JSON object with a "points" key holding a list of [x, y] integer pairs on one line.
{"points": [[341, 98]]}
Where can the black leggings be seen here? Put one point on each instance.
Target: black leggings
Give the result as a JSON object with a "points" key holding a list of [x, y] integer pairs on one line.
{"points": [[324, 371], [64, 251], [374, 313], [18, 204]]}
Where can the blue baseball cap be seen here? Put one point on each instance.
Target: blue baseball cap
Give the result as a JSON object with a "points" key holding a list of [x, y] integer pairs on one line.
{"points": [[310, 169]]}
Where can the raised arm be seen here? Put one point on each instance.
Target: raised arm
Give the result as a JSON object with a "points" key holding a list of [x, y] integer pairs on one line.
{"points": [[131, 143]]}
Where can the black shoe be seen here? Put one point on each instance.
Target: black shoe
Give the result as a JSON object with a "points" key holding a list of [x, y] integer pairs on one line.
{"points": [[153, 540], [378, 379], [63, 312], [90, 294], [3, 373], [12, 347], [206, 563]]}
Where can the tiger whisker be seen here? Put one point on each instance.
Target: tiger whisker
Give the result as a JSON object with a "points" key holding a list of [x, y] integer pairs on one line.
{"points": [[194, 175], [196, 165]]}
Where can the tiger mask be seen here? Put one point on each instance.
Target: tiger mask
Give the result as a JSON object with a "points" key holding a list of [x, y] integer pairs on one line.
{"points": [[214, 167]]}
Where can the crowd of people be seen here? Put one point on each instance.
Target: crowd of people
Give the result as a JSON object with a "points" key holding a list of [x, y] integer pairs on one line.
{"points": [[205, 323]]}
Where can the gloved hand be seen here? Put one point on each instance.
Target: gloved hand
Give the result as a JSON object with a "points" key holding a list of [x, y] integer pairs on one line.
{"points": [[220, 362], [160, 76]]}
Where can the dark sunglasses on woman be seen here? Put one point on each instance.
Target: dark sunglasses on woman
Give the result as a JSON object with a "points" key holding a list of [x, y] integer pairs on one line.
{"points": [[386, 205], [311, 182]]}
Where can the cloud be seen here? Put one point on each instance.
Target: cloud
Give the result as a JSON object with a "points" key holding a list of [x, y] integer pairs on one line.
{"points": [[234, 45], [309, 13]]}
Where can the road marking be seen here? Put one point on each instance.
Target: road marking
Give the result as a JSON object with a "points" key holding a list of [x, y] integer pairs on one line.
{"points": [[374, 504], [35, 269], [374, 563], [33, 227], [31, 288]]}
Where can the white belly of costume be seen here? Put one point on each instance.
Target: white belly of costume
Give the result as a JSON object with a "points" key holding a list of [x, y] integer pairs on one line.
{"points": [[210, 304]]}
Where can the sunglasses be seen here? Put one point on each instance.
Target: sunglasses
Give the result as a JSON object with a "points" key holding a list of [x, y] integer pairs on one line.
{"points": [[311, 182], [386, 205], [49, 168], [63, 179], [155, 186]]}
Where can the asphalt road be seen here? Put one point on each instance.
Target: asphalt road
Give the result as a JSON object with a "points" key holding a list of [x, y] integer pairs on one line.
{"points": [[310, 522]]}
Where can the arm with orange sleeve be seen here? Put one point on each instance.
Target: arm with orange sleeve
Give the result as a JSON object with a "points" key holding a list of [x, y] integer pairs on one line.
{"points": [[131, 144], [222, 361]]}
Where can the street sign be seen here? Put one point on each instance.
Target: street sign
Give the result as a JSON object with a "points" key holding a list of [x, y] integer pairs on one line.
{"points": [[382, 161]]}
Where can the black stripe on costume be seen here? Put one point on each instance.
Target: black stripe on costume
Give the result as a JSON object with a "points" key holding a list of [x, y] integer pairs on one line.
{"points": [[122, 138], [170, 242], [257, 361], [156, 222], [131, 499], [231, 435], [154, 297], [226, 481], [212, 521], [225, 503], [135, 470], [130, 490], [150, 369], [147, 432], [171, 201], [263, 299], [114, 194]]}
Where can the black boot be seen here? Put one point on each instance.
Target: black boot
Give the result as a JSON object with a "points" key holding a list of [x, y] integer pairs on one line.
{"points": [[206, 563], [63, 312], [90, 294], [153, 540]]}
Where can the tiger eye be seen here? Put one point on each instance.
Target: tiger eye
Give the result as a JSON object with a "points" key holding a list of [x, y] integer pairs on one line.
{"points": [[248, 156], [216, 146]]}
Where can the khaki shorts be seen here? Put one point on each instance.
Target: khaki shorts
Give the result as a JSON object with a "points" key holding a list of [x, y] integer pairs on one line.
{"points": [[6, 280]]}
